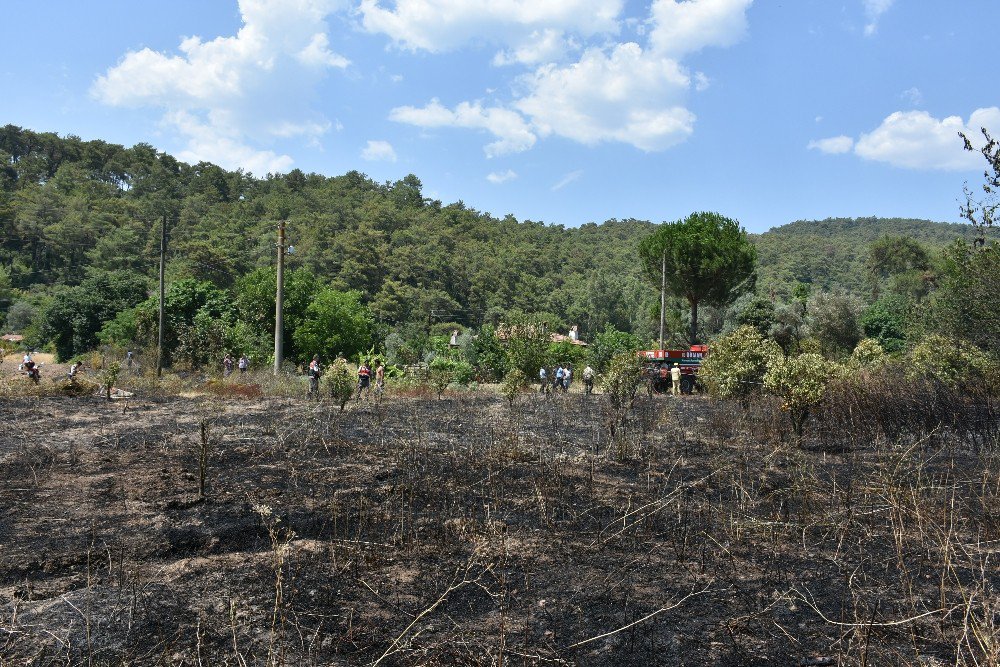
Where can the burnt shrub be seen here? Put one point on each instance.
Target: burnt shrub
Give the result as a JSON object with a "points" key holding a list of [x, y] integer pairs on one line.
{"points": [[892, 404]]}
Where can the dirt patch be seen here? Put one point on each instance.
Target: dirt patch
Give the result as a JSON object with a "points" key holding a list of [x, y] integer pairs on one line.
{"points": [[464, 531]]}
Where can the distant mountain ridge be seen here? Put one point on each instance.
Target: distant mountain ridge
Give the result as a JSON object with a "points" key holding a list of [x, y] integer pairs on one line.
{"points": [[831, 253]]}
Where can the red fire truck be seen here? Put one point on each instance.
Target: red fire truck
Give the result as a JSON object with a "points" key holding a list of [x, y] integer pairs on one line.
{"points": [[657, 364]]}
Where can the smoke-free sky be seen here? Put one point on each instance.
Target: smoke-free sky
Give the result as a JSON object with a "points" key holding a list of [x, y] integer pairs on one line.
{"points": [[562, 111]]}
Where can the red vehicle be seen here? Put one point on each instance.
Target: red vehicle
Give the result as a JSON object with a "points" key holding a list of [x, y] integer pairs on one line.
{"points": [[657, 365]]}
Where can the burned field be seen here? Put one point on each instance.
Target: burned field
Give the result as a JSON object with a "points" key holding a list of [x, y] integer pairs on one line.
{"points": [[186, 531]]}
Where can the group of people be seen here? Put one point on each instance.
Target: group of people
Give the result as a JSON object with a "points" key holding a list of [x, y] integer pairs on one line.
{"points": [[365, 376], [29, 366], [227, 364], [561, 377], [32, 369]]}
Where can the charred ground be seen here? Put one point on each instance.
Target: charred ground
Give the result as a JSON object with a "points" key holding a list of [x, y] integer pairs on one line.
{"points": [[466, 531]]}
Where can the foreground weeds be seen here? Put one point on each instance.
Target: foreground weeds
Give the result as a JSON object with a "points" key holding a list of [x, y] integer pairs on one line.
{"points": [[470, 531]]}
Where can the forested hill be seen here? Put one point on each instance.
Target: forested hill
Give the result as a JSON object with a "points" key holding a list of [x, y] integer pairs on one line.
{"points": [[72, 210], [831, 253]]}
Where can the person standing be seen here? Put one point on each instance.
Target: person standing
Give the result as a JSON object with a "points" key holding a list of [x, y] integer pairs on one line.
{"points": [[315, 373], [380, 378], [567, 377], [588, 379], [244, 364], [364, 378], [675, 377], [227, 365], [543, 380]]}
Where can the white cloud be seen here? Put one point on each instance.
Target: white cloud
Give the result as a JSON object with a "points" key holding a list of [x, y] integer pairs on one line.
{"points": [[379, 151], [443, 25], [567, 179], [501, 177], [512, 132], [217, 141], [611, 92], [318, 54], [540, 46], [916, 140], [873, 11], [685, 27], [913, 96], [627, 96], [224, 95], [833, 145]]}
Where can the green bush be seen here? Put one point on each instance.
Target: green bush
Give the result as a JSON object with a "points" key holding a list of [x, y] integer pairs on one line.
{"points": [[737, 362], [341, 382], [954, 363], [610, 342], [801, 382], [459, 372], [513, 384], [868, 356]]}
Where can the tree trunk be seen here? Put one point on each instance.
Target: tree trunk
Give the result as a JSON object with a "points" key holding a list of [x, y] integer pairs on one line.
{"points": [[694, 321]]}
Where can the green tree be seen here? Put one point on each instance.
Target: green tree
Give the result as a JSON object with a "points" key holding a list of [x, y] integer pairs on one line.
{"points": [[758, 313], [967, 304], [254, 300], [196, 315], [894, 256], [833, 320], [951, 363], [335, 323], [76, 315], [708, 259], [885, 321], [610, 343]]}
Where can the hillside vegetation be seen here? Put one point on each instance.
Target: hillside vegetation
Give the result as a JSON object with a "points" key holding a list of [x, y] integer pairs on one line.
{"points": [[87, 215]]}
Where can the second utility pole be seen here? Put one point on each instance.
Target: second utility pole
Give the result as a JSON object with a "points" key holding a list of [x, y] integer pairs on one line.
{"points": [[663, 294], [279, 299], [162, 308]]}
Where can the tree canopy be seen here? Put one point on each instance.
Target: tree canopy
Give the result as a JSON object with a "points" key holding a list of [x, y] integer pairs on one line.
{"points": [[706, 258]]}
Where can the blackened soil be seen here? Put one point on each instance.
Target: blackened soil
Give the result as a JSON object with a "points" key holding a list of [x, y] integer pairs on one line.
{"points": [[466, 531]]}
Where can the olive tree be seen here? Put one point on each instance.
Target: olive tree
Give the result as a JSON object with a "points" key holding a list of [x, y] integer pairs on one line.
{"points": [[801, 382], [738, 362]]}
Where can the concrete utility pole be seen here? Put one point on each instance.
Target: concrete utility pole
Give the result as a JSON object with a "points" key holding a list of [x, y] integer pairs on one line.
{"points": [[663, 294], [163, 262], [279, 299]]}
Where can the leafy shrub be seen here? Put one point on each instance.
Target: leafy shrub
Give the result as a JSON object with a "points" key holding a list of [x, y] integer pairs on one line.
{"points": [[868, 355], [513, 384], [954, 363], [620, 382], [109, 376], [800, 381], [885, 321], [737, 363], [340, 380], [459, 372]]}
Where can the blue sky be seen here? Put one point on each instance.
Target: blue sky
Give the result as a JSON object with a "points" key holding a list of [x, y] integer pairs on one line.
{"points": [[563, 111]]}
